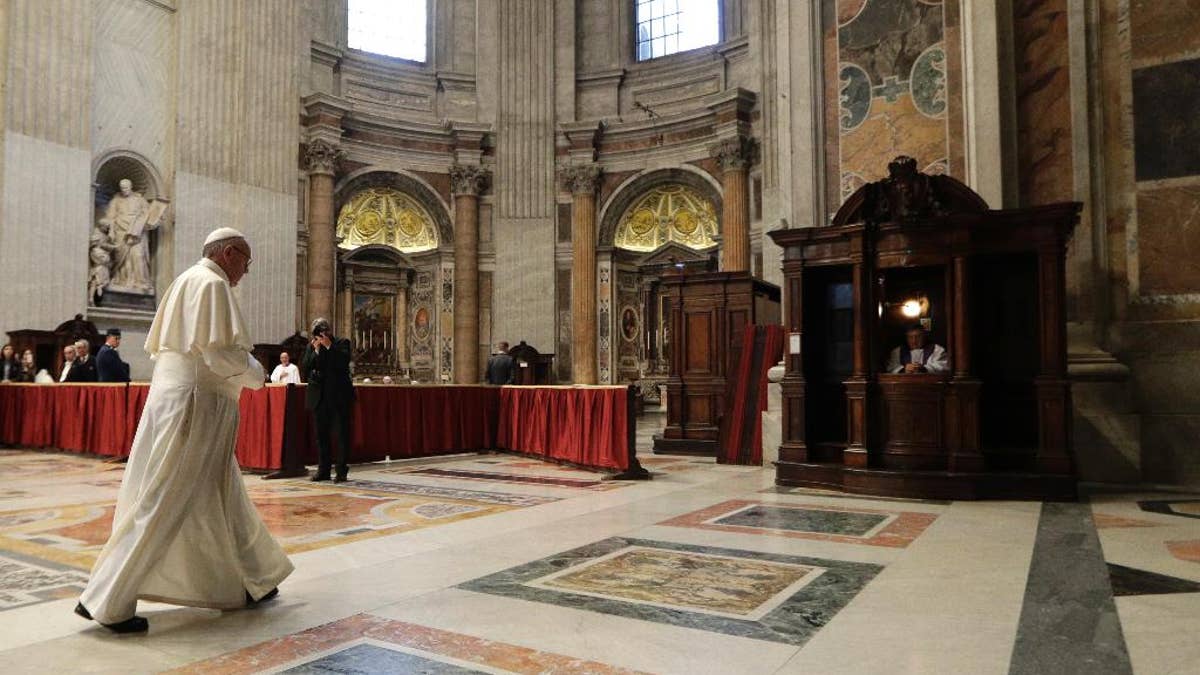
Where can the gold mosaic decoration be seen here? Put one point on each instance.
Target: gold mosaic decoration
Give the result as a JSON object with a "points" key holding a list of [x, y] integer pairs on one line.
{"points": [[382, 215], [669, 213]]}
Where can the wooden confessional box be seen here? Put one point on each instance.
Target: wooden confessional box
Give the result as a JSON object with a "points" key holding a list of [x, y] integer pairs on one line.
{"points": [[988, 286], [708, 311]]}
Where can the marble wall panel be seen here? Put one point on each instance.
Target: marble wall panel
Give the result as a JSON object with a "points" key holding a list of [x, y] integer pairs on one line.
{"points": [[44, 234], [1162, 30], [1043, 101], [1166, 127], [132, 105], [1169, 239], [204, 203]]}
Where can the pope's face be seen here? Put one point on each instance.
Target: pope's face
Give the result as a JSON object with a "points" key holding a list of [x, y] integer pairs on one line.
{"points": [[236, 261], [284, 358]]}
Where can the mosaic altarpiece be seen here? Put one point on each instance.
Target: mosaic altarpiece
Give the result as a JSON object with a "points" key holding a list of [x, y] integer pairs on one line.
{"points": [[669, 226], [395, 297]]}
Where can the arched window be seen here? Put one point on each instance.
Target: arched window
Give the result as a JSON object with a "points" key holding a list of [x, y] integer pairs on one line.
{"points": [[389, 27], [669, 26]]}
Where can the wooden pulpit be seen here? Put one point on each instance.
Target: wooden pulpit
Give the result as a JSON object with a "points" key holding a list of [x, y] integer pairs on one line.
{"points": [[708, 311], [925, 251]]}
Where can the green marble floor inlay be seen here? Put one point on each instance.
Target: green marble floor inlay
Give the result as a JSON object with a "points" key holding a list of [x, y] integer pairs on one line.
{"points": [[805, 520]]}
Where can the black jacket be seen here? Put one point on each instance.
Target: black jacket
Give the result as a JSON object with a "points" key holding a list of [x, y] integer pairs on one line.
{"points": [[83, 371], [110, 367], [327, 373], [500, 369]]}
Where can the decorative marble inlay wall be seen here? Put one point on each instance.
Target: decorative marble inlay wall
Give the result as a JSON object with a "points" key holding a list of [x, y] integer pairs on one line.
{"points": [[630, 335], [562, 306], [421, 326], [893, 68], [446, 324], [604, 349]]}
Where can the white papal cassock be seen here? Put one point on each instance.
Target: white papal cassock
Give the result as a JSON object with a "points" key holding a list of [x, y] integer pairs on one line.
{"points": [[185, 531]]}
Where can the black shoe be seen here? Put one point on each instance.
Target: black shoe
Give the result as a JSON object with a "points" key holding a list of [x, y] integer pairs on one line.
{"points": [[340, 478], [320, 477], [269, 596], [134, 624]]}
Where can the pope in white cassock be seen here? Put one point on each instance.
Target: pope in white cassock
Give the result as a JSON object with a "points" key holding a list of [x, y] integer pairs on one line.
{"points": [[185, 532]]}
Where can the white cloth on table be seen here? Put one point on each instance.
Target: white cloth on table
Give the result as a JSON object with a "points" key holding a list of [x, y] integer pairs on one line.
{"points": [[288, 374], [185, 531]]}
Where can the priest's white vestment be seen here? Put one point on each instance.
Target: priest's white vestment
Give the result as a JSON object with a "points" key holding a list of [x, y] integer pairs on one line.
{"points": [[185, 531]]}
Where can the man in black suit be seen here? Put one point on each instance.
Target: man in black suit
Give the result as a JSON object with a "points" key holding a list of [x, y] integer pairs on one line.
{"points": [[330, 395], [109, 366], [84, 368], [500, 366]]}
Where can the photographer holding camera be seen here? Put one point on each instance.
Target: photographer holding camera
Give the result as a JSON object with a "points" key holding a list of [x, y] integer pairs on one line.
{"points": [[330, 395]]}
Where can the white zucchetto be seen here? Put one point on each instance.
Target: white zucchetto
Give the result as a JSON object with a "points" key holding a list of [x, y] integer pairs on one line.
{"points": [[222, 233]]}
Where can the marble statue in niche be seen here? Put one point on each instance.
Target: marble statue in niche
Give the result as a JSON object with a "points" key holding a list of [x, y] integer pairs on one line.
{"points": [[119, 264], [128, 220]]}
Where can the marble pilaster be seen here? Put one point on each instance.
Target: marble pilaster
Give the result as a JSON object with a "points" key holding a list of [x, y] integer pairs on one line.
{"points": [[582, 182], [466, 183]]}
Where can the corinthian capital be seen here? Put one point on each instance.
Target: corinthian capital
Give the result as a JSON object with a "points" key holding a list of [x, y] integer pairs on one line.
{"points": [[467, 179], [583, 179], [734, 153], [321, 156]]}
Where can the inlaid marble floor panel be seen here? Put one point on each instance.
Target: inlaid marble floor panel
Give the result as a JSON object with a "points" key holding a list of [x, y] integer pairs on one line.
{"points": [[502, 564]]}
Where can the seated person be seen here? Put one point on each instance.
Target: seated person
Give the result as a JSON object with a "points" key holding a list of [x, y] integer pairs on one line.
{"points": [[917, 355]]}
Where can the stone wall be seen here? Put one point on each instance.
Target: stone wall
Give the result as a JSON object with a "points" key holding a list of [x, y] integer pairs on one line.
{"points": [[181, 85]]}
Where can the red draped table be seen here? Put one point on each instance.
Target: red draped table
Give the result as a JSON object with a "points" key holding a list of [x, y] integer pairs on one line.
{"points": [[587, 426]]}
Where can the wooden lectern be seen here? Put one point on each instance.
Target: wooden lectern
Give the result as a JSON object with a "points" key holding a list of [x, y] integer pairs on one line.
{"points": [[708, 313], [988, 286]]}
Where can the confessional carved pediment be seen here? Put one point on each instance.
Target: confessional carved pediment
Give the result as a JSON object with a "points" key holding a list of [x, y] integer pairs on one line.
{"points": [[908, 195]]}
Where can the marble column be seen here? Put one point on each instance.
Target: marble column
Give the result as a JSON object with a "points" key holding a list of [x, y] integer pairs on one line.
{"points": [[466, 182], [321, 159], [734, 156], [582, 182]]}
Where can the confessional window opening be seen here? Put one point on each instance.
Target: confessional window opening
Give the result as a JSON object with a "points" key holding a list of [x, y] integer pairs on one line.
{"points": [[828, 357], [665, 27], [908, 296], [395, 28], [1005, 356]]}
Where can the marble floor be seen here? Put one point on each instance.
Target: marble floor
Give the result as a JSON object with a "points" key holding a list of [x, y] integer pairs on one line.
{"points": [[499, 564]]}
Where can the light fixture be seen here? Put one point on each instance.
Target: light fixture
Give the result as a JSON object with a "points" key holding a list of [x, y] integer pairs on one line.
{"points": [[911, 308]]}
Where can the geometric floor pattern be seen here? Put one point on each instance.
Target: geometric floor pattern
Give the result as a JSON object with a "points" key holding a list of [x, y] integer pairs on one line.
{"points": [[489, 563]]}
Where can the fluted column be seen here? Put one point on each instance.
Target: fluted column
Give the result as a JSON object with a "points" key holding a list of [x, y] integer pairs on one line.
{"points": [[582, 182], [466, 182], [321, 159], [734, 155]]}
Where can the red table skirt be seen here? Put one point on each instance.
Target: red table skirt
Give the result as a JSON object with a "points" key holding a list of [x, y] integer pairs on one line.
{"points": [[582, 425], [588, 426]]}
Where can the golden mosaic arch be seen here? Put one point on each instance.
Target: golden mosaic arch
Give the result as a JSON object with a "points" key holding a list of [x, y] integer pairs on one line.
{"points": [[384, 215], [668, 213]]}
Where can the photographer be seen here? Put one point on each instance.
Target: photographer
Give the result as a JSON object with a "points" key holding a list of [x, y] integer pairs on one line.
{"points": [[330, 395]]}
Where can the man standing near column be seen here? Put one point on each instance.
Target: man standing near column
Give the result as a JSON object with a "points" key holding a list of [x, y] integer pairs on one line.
{"points": [[185, 532], [84, 368], [330, 396]]}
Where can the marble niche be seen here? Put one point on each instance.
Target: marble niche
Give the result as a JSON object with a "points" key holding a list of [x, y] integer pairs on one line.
{"points": [[121, 244]]}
